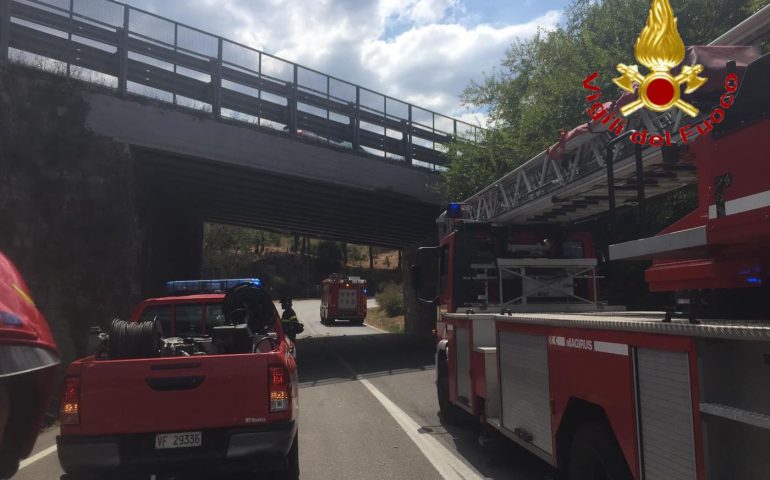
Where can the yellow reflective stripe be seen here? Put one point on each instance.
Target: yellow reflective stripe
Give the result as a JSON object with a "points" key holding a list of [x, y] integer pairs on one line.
{"points": [[23, 294]]}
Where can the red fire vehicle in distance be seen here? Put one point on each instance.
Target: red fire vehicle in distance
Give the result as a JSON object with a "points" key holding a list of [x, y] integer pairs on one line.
{"points": [[200, 382], [343, 298]]}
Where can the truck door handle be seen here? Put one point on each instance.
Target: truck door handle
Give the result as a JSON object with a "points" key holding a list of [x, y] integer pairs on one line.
{"points": [[164, 384]]}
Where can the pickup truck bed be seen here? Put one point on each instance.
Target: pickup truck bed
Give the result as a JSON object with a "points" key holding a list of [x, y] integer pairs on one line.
{"points": [[203, 412]]}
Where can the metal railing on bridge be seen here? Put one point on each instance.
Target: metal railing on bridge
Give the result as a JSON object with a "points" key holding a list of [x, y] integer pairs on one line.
{"points": [[138, 52]]}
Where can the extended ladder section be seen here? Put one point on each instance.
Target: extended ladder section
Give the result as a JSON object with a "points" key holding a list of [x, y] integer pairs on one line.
{"points": [[573, 185]]}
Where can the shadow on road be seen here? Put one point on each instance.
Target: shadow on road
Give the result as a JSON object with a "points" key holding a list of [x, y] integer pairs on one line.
{"points": [[369, 355], [329, 360], [498, 457]]}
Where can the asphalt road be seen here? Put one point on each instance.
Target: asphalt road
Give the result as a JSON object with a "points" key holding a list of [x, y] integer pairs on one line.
{"points": [[368, 411]]}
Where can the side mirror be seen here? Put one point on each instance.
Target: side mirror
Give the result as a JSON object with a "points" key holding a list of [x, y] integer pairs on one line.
{"points": [[425, 274]]}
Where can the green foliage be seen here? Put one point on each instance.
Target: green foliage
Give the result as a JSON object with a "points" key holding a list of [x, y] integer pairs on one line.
{"points": [[232, 252], [391, 299], [537, 90], [228, 239]]}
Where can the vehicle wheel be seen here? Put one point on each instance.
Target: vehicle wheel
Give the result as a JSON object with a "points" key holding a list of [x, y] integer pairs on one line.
{"points": [[596, 455], [9, 465], [448, 412], [292, 458]]}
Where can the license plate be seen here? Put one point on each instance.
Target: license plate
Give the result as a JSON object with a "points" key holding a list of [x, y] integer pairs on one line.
{"points": [[178, 440]]}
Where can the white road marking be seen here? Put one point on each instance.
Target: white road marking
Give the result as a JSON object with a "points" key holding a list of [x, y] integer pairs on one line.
{"points": [[448, 465], [34, 458], [378, 329]]}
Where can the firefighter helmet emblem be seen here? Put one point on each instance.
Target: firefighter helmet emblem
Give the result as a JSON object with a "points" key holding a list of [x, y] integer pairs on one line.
{"points": [[660, 48]]}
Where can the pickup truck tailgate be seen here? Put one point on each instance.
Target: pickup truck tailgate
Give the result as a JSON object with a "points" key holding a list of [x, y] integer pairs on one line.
{"points": [[173, 394]]}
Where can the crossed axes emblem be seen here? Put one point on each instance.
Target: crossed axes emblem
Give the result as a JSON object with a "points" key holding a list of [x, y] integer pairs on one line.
{"points": [[659, 90]]}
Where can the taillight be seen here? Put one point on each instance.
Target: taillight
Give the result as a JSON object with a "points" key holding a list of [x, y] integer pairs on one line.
{"points": [[70, 404], [280, 389]]}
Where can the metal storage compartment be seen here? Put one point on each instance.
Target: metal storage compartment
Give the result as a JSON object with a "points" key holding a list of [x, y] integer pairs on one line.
{"points": [[463, 363], [665, 415], [525, 412], [735, 407]]}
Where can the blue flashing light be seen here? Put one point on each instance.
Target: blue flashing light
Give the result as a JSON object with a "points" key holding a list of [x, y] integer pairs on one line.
{"points": [[754, 280], [454, 210], [200, 286]]}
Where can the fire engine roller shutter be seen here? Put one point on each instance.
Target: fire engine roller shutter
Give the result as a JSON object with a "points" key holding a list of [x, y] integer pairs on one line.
{"points": [[463, 359], [347, 300], [524, 384], [668, 447]]}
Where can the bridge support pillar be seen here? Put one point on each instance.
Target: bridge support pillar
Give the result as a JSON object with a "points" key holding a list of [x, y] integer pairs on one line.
{"points": [[172, 248], [69, 211]]}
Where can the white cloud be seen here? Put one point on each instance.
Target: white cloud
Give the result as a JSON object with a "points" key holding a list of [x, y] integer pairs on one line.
{"points": [[421, 51]]}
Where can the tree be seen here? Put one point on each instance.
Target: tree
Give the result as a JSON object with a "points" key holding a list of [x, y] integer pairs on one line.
{"points": [[228, 239], [536, 91]]}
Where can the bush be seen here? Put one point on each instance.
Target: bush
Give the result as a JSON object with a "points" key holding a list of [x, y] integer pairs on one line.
{"points": [[391, 299]]}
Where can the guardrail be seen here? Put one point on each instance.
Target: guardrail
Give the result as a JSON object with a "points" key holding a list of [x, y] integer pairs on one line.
{"points": [[138, 52]]}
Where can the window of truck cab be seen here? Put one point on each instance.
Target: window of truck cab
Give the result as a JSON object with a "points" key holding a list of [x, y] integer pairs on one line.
{"points": [[186, 319]]}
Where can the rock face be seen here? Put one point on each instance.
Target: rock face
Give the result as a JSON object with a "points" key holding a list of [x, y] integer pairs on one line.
{"points": [[69, 213]]}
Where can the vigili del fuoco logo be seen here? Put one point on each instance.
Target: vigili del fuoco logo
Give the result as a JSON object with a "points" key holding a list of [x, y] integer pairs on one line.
{"points": [[660, 49]]}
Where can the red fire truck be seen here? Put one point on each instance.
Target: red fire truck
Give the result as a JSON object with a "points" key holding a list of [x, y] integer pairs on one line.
{"points": [[343, 298], [598, 393]]}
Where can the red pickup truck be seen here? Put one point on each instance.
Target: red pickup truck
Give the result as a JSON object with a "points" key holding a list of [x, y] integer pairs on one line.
{"points": [[197, 382]]}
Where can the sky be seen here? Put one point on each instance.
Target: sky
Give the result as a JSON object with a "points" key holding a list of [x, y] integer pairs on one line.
{"points": [[420, 51]]}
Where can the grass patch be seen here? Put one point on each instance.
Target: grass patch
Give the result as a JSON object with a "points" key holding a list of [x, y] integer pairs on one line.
{"points": [[377, 317], [391, 299]]}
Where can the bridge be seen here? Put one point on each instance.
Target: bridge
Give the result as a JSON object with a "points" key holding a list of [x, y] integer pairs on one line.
{"points": [[228, 133]]}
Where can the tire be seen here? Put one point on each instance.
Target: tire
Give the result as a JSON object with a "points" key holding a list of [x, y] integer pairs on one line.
{"points": [[292, 460], [9, 465], [449, 413], [595, 455]]}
